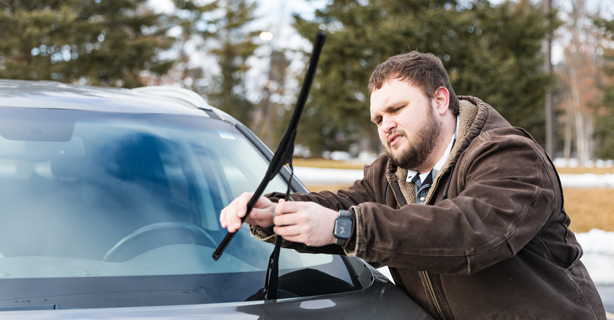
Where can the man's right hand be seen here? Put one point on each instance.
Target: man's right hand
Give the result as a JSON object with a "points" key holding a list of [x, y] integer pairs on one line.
{"points": [[262, 214]]}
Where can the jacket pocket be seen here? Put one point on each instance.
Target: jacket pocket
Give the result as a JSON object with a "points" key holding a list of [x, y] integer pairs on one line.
{"points": [[539, 247]]}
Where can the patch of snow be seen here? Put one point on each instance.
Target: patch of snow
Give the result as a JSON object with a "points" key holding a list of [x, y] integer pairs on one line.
{"points": [[572, 163], [598, 246], [587, 180], [346, 176], [327, 176]]}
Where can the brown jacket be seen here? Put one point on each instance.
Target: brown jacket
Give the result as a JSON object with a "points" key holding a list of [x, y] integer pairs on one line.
{"points": [[498, 247]]}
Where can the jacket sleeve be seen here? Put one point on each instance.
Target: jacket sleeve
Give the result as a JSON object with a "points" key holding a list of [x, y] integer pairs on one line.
{"points": [[503, 191], [359, 192]]}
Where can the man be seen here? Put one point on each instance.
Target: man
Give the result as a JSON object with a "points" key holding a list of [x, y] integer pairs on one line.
{"points": [[465, 210]]}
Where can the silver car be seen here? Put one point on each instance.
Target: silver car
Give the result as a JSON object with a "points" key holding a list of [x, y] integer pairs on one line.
{"points": [[109, 206]]}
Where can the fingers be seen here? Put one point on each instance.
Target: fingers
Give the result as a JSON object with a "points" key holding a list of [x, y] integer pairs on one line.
{"points": [[230, 217], [305, 222], [262, 213]]}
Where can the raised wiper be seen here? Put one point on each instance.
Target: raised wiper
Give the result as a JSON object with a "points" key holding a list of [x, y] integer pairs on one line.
{"points": [[283, 155]]}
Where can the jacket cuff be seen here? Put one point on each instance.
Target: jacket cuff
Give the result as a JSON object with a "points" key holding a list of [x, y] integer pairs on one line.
{"points": [[261, 233], [266, 234], [350, 246]]}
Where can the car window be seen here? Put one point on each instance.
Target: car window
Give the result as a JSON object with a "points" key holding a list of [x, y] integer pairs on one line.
{"points": [[121, 196]]}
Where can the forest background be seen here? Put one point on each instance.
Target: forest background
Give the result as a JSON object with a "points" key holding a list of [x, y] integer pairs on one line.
{"points": [[248, 57], [498, 51], [495, 50]]}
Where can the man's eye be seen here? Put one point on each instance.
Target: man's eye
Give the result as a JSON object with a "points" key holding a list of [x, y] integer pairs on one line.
{"points": [[398, 109]]}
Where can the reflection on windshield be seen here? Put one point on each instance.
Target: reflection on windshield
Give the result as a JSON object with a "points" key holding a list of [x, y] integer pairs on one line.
{"points": [[97, 194]]}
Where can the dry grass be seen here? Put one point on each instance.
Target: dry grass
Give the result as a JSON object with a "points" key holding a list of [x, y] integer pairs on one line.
{"points": [[581, 170], [326, 163], [587, 208], [590, 208]]}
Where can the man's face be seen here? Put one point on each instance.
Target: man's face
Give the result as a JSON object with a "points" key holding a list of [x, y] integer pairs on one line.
{"points": [[406, 122]]}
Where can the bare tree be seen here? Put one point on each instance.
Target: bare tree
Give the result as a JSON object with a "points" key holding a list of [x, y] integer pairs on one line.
{"points": [[581, 74]]}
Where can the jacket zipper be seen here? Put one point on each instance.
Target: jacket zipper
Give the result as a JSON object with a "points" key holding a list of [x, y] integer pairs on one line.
{"points": [[431, 291], [423, 274]]}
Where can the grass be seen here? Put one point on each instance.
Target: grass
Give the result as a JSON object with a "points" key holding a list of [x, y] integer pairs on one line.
{"points": [[326, 163], [587, 208], [581, 170]]}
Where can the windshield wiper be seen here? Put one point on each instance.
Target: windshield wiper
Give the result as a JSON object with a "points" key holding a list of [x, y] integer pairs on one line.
{"points": [[283, 155]]}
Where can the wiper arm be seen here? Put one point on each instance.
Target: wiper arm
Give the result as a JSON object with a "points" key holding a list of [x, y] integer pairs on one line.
{"points": [[282, 156], [284, 152]]}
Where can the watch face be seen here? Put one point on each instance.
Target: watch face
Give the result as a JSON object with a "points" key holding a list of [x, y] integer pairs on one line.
{"points": [[343, 228]]}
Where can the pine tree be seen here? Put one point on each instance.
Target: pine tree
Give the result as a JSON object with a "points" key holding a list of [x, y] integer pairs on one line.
{"points": [[236, 45], [492, 52], [196, 23], [106, 43]]}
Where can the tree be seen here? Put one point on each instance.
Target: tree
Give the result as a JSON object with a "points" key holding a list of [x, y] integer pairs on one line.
{"points": [[106, 43], [492, 52], [235, 45], [271, 109], [193, 24], [604, 119], [580, 75]]}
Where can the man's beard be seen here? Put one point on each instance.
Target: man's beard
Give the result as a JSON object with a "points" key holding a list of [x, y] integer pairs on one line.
{"points": [[419, 149]]}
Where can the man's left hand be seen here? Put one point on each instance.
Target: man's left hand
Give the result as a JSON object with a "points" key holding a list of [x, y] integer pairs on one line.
{"points": [[305, 222]]}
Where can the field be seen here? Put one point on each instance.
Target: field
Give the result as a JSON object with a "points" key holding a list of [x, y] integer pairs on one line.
{"points": [[587, 208]]}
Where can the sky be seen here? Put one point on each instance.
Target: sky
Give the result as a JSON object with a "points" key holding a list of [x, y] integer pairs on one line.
{"points": [[276, 17]]}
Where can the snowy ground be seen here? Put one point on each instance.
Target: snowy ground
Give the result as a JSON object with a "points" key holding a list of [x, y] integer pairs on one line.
{"points": [[338, 176], [598, 245]]}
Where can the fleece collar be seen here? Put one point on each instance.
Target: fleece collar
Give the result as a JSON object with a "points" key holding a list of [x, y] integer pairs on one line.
{"points": [[466, 118]]}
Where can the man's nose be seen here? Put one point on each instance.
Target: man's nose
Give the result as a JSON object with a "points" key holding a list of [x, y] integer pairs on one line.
{"points": [[388, 124]]}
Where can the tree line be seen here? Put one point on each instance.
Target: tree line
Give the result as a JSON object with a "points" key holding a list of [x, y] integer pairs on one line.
{"points": [[494, 52]]}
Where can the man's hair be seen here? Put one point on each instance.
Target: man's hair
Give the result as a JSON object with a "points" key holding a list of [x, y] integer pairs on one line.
{"points": [[423, 70]]}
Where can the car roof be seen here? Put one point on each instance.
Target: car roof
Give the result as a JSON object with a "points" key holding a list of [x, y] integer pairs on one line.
{"points": [[56, 95]]}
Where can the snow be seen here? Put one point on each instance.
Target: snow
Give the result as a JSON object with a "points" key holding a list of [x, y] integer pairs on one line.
{"points": [[598, 245], [327, 176], [588, 180], [344, 176]]}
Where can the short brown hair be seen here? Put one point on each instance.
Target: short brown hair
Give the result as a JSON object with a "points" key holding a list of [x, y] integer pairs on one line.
{"points": [[423, 70]]}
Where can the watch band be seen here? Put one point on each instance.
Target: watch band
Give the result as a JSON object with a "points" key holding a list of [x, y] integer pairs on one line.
{"points": [[343, 214]]}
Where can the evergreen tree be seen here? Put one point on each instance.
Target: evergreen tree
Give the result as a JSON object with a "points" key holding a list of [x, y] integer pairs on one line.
{"points": [[98, 42], [492, 52], [236, 45], [196, 22]]}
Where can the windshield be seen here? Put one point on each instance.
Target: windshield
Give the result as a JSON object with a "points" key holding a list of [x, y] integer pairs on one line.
{"points": [[107, 198]]}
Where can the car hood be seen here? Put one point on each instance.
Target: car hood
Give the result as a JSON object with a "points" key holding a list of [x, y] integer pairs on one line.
{"points": [[381, 300]]}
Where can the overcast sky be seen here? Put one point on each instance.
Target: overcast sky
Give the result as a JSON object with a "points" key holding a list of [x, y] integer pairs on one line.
{"points": [[276, 16]]}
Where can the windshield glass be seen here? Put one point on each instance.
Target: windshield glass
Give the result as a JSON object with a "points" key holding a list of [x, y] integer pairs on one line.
{"points": [[93, 195]]}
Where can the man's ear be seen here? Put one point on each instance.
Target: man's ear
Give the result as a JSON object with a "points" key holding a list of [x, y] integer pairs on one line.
{"points": [[442, 100]]}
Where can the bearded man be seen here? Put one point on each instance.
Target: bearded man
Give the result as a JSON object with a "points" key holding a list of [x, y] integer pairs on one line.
{"points": [[465, 210]]}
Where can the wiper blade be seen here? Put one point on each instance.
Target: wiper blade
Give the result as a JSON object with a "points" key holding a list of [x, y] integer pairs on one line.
{"points": [[35, 307], [284, 152], [282, 156]]}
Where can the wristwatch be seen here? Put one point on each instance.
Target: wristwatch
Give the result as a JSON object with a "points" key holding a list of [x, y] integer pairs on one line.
{"points": [[343, 227]]}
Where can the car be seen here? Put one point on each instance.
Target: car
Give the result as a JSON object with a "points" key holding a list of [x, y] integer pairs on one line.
{"points": [[109, 209]]}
